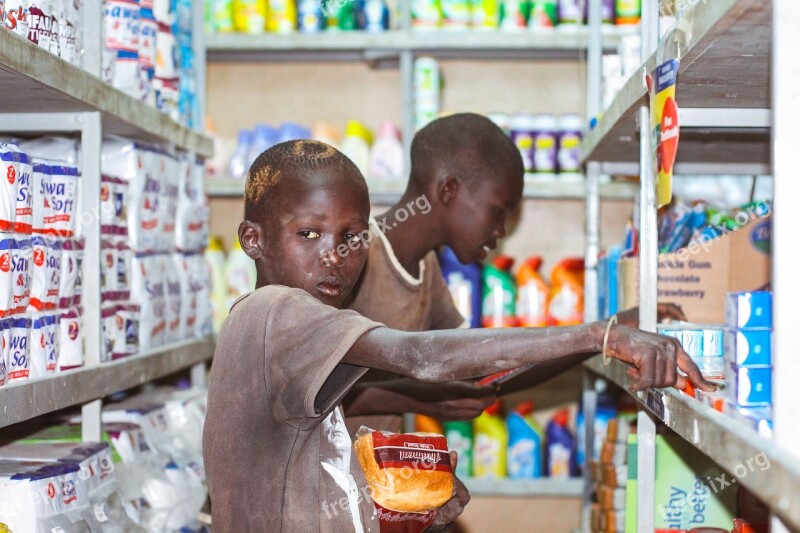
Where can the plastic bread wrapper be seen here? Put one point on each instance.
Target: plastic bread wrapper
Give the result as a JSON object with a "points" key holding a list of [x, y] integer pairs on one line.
{"points": [[409, 477]]}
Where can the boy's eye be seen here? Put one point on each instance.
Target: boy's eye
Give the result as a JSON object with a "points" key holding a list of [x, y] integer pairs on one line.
{"points": [[308, 234], [352, 237]]}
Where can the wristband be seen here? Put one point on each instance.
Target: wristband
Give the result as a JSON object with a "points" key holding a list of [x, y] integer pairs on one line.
{"points": [[611, 322]]}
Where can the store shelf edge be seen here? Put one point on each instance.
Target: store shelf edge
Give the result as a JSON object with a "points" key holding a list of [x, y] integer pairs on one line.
{"points": [[725, 441], [543, 487], [28, 399], [34, 80]]}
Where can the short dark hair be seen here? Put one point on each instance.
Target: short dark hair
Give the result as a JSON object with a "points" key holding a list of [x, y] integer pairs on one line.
{"points": [[288, 160], [465, 144]]}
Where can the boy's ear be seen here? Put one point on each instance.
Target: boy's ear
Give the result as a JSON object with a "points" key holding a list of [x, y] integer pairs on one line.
{"points": [[447, 188], [251, 239]]}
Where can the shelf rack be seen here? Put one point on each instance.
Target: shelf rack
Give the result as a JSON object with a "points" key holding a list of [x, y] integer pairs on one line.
{"points": [[389, 191], [543, 487], [367, 46], [738, 69], [45, 94]]}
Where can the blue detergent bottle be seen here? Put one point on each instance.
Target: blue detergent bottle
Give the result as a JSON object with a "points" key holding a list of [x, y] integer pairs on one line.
{"points": [[560, 457], [524, 444], [465, 284]]}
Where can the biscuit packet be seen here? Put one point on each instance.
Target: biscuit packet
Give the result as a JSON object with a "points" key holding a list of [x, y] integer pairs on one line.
{"points": [[409, 477]]}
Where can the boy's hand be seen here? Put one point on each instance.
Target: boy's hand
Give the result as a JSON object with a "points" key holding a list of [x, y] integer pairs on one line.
{"points": [[630, 317], [456, 400], [655, 360], [448, 513]]}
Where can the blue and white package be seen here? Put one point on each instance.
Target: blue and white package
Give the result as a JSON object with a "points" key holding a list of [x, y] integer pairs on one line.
{"points": [[713, 345], [692, 342], [749, 348], [747, 310], [749, 387]]}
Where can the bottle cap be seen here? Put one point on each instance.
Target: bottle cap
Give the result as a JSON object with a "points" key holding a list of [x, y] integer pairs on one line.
{"points": [[525, 408], [388, 129], [215, 244], [534, 262], [561, 418], [503, 262], [327, 133], [355, 128], [495, 408]]}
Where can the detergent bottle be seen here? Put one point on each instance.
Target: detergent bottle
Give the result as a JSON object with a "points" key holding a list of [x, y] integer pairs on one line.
{"points": [[524, 443], [464, 282], [499, 294], [491, 443], [560, 446], [459, 440], [215, 258], [566, 295], [532, 294]]}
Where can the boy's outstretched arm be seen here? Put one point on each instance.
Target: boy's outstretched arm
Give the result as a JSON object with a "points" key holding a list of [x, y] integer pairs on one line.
{"points": [[448, 355]]}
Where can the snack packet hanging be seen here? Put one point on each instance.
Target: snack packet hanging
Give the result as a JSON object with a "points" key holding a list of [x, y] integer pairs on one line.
{"points": [[21, 256], [71, 339], [10, 159], [409, 477], [44, 343], [665, 126], [45, 273]]}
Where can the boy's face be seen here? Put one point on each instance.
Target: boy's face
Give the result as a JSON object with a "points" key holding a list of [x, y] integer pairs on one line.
{"points": [[314, 237], [477, 217]]}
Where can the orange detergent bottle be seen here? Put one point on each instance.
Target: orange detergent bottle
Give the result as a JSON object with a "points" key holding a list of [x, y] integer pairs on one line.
{"points": [[532, 294], [566, 295]]}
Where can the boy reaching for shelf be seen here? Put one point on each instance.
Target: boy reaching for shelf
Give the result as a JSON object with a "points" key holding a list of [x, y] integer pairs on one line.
{"points": [[277, 454], [466, 178]]}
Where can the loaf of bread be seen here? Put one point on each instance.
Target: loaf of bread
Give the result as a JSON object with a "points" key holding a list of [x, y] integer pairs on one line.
{"points": [[407, 472]]}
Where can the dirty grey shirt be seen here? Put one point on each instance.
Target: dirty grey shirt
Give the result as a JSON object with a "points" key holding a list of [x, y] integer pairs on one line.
{"points": [[277, 453]]}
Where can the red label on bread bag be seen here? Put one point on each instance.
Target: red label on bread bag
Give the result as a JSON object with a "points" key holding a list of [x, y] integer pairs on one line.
{"points": [[397, 522], [411, 451]]}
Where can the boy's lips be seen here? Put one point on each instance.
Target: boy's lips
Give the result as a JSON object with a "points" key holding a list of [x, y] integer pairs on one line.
{"points": [[332, 287]]}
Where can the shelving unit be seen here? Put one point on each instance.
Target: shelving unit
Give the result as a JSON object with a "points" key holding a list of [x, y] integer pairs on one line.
{"points": [[367, 46], [388, 192], [737, 101], [44, 94], [543, 487]]}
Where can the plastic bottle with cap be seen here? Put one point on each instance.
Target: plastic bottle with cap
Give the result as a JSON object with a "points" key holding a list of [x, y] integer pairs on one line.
{"points": [[521, 129], [459, 440], [387, 160], [240, 160], [499, 294], [264, 138], [565, 307], [281, 16], [532, 294], [250, 16], [544, 144], [560, 447], [215, 258], [327, 133], [570, 133], [491, 443], [356, 143], [524, 443], [465, 285]]}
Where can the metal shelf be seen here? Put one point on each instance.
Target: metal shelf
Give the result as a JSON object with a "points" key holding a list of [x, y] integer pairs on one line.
{"points": [[723, 91], [359, 45], [725, 441], [388, 192], [35, 81], [543, 487], [28, 399]]}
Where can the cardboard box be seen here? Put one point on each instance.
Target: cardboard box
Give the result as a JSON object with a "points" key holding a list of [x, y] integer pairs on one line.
{"points": [[698, 277]]}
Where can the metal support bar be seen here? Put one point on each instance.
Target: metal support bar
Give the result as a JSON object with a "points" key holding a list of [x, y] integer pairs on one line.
{"points": [[42, 122], [407, 109], [589, 402], [594, 58], [648, 232], [199, 48], [646, 472], [786, 256], [592, 282], [692, 169], [703, 117], [91, 421]]}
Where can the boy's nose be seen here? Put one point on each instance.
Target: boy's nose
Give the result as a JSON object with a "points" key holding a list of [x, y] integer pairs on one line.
{"points": [[331, 257]]}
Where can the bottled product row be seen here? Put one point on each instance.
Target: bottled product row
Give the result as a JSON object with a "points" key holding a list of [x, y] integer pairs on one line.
{"points": [[549, 145], [146, 475], [154, 283], [313, 16], [146, 46]]}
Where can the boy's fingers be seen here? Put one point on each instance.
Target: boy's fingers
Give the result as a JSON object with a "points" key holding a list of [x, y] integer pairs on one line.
{"points": [[680, 383], [689, 368], [453, 460], [675, 312]]}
